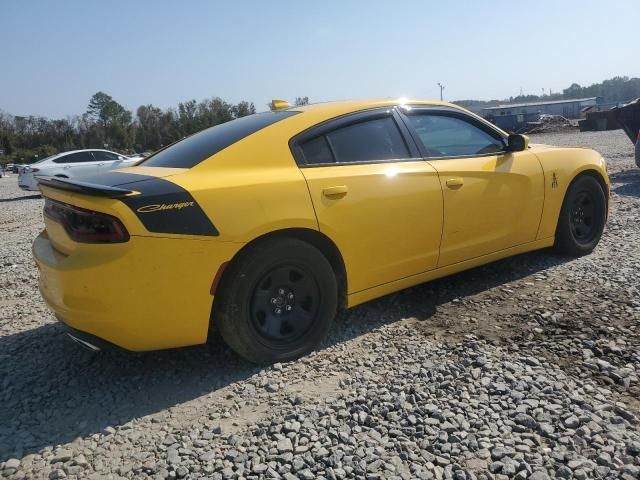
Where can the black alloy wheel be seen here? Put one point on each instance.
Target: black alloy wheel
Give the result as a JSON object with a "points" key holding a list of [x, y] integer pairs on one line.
{"points": [[276, 301], [582, 217], [284, 304]]}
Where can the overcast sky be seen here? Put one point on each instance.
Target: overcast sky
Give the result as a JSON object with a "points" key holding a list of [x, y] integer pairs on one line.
{"points": [[55, 54]]}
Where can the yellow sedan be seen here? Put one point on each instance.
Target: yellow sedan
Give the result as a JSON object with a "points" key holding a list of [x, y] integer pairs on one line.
{"points": [[265, 226]]}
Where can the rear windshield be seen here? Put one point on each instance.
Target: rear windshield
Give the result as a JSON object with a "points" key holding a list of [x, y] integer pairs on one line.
{"points": [[200, 146]]}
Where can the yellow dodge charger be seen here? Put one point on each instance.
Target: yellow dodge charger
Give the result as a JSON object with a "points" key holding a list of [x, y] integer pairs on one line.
{"points": [[264, 226]]}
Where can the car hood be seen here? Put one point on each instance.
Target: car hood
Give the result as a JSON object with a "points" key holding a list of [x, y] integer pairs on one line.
{"points": [[543, 146]]}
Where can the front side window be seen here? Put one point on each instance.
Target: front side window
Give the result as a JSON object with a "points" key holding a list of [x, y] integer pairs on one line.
{"points": [[449, 136], [102, 156]]}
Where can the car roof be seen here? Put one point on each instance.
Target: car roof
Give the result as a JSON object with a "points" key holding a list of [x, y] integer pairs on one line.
{"points": [[62, 154], [315, 113], [86, 150], [345, 106]]}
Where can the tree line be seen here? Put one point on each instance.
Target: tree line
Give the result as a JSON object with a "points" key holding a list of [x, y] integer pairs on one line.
{"points": [[108, 124], [614, 90]]}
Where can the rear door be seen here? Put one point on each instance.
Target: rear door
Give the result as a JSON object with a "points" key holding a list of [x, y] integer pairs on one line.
{"points": [[379, 202], [492, 198]]}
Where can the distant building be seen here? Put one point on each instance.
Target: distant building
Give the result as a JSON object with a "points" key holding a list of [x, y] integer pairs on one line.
{"points": [[566, 108], [512, 116]]}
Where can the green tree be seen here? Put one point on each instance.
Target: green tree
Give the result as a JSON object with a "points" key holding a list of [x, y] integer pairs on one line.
{"points": [[103, 108], [112, 122], [243, 109]]}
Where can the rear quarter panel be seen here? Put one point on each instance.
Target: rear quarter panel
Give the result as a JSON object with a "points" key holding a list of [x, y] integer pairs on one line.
{"points": [[252, 187], [561, 166]]}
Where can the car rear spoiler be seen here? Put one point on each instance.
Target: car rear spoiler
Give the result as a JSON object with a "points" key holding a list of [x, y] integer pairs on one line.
{"points": [[83, 187], [628, 116]]}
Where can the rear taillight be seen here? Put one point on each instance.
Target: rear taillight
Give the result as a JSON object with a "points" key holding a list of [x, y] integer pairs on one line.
{"points": [[86, 226], [34, 170]]}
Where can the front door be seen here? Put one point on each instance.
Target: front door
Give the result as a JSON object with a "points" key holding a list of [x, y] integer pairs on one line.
{"points": [[107, 160], [492, 198], [381, 206]]}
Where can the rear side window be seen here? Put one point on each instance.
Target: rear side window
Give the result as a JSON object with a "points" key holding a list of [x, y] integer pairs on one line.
{"points": [[317, 151], [373, 140], [448, 136], [200, 146]]}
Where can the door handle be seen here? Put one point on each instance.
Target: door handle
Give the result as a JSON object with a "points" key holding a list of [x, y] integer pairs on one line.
{"points": [[67, 167], [100, 164], [335, 192], [455, 182]]}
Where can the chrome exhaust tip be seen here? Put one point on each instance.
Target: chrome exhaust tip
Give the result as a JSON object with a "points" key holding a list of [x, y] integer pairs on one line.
{"points": [[84, 343]]}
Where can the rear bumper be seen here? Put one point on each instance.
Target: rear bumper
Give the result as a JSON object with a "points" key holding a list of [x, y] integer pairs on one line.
{"points": [[28, 188], [149, 293], [27, 181]]}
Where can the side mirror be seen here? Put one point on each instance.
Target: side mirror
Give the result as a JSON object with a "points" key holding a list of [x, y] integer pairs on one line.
{"points": [[517, 142]]}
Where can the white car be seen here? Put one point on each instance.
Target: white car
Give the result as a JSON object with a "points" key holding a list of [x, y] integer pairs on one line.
{"points": [[73, 164]]}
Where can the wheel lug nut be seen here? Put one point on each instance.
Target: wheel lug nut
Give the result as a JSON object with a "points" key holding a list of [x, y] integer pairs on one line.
{"points": [[278, 311], [281, 291], [291, 296], [288, 308], [273, 300]]}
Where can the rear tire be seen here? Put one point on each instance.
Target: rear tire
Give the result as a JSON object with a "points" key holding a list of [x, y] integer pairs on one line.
{"points": [[582, 218], [276, 301]]}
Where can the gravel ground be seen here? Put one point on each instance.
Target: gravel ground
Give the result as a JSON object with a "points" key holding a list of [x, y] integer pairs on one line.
{"points": [[525, 368]]}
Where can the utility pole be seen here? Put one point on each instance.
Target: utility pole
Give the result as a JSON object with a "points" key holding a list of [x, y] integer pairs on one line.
{"points": [[441, 89]]}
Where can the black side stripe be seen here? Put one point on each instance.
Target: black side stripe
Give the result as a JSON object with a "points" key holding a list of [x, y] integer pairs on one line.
{"points": [[164, 207]]}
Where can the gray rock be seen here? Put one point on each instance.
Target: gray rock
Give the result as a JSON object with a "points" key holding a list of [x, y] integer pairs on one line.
{"points": [[62, 455], [173, 457], [526, 421], [572, 422], [306, 474], [285, 445], [539, 475], [12, 463], [259, 468], [182, 472], [604, 459], [564, 472]]}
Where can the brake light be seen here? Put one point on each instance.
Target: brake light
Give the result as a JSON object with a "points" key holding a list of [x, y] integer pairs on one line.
{"points": [[86, 226], [34, 170]]}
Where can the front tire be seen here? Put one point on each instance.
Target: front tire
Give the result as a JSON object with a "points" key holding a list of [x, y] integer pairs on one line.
{"points": [[582, 218], [276, 301]]}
